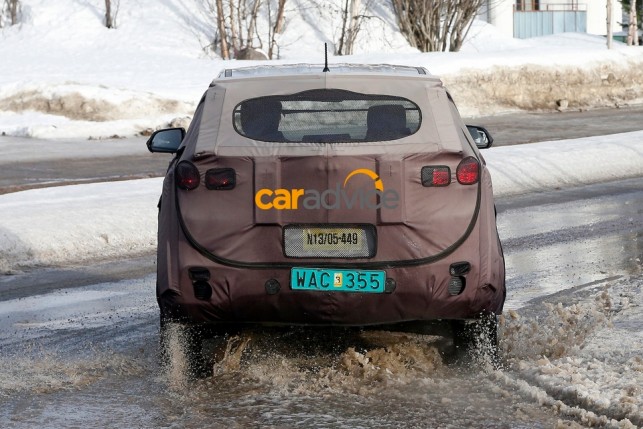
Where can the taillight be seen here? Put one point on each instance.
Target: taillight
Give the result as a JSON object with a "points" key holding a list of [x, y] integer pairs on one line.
{"points": [[468, 171], [187, 175], [220, 179], [436, 176]]}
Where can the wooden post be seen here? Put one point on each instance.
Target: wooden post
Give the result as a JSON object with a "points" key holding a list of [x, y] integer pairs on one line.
{"points": [[634, 27], [108, 14], [609, 24], [631, 27]]}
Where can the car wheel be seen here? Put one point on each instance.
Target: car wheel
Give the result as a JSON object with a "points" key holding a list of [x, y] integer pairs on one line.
{"points": [[477, 340], [181, 351]]}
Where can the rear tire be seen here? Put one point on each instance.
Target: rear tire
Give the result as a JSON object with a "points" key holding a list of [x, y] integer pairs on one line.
{"points": [[477, 340], [181, 350]]}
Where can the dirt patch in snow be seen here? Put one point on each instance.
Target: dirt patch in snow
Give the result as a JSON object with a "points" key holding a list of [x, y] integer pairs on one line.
{"points": [[76, 106], [537, 88]]}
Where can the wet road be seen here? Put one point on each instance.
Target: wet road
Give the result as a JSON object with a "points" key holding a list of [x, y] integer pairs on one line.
{"points": [[86, 356], [39, 174], [558, 240]]}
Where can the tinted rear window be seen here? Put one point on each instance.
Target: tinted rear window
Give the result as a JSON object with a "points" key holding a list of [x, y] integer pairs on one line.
{"points": [[327, 116]]}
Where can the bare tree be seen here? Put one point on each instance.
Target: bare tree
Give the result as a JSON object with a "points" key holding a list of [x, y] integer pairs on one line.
{"points": [[238, 30], [225, 53], [278, 28], [108, 14], [436, 25], [252, 26], [14, 9], [347, 35], [352, 17], [111, 11], [236, 17], [241, 18], [632, 31], [10, 11], [345, 19]]}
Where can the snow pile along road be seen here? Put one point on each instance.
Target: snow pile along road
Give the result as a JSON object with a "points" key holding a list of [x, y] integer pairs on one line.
{"points": [[565, 163], [65, 225]]}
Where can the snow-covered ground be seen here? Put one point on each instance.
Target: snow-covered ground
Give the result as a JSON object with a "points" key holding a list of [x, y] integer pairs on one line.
{"points": [[64, 75]]}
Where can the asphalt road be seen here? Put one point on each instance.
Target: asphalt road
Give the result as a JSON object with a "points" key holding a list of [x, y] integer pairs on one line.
{"points": [[521, 128], [62, 172]]}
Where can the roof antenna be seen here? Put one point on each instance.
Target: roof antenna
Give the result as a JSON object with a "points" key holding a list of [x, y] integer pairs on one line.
{"points": [[326, 69]]}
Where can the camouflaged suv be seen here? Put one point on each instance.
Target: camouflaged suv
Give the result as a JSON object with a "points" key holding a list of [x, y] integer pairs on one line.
{"points": [[354, 197]]}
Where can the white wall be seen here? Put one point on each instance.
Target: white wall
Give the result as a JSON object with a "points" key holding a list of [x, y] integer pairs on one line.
{"points": [[500, 14], [597, 16]]}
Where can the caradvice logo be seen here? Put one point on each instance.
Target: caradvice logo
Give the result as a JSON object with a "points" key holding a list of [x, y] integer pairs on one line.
{"points": [[330, 199]]}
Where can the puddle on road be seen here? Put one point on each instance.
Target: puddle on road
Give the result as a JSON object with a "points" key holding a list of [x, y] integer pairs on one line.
{"points": [[381, 378], [44, 372], [373, 379], [549, 269], [339, 379], [376, 379]]}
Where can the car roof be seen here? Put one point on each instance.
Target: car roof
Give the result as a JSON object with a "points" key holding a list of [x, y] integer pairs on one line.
{"points": [[308, 69]]}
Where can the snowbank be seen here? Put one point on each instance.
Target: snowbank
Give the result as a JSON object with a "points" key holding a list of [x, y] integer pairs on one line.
{"points": [[64, 225], [565, 163]]}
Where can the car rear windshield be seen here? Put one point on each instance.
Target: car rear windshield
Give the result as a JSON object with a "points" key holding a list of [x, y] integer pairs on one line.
{"points": [[327, 116]]}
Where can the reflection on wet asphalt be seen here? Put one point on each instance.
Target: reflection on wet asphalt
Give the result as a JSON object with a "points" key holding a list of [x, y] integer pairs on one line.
{"points": [[570, 242], [87, 356]]}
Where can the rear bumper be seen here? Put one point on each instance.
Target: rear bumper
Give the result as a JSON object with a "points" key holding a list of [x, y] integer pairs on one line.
{"points": [[421, 293]]}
